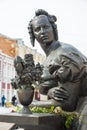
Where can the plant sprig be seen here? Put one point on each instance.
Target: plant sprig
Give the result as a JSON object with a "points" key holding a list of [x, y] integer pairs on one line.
{"points": [[57, 110]]}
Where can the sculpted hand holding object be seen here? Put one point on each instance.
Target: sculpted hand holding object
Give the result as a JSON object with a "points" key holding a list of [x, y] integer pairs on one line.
{"points": [[65, 68]]}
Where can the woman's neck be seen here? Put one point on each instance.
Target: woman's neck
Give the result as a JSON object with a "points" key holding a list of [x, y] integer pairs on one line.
{"points": [[47, 48]]}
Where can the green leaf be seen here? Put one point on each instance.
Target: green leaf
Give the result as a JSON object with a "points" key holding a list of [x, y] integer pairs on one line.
{"points": [[69, 121]]}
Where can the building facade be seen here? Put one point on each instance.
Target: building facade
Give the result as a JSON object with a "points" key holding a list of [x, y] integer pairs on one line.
{"points": [[14, 47], [7, 72], [9, 49]]}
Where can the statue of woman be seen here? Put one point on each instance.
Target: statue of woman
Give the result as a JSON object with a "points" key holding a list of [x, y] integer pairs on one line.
{"points": [[65, 68]]}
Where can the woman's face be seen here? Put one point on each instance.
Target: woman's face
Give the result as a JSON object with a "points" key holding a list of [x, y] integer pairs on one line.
{"points": [[42, 29]]}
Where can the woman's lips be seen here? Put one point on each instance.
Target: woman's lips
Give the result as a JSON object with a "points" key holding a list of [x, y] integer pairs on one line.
{"points": [[44, 38]]}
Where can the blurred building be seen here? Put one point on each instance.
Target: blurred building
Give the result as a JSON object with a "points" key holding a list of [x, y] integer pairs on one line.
{"points": [[9, 49], [14, 47], [7, 72], [8, 46]]}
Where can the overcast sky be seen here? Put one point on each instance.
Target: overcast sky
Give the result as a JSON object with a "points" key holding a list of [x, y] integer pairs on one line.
{"points": [[71, 20]]}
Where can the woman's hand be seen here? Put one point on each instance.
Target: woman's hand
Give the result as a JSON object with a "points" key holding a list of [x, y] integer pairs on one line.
{"points": [[58, 94]]}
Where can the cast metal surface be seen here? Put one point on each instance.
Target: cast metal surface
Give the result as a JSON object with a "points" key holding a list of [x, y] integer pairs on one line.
{"points": [[65, 68], [27, 74], [64, 74]]}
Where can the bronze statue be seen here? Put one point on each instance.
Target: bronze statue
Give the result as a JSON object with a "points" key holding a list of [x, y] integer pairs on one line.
{"points": [[65, 68], [27, 75]]}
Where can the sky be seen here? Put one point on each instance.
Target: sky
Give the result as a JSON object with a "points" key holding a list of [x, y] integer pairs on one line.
{"points": [[71, 20]]}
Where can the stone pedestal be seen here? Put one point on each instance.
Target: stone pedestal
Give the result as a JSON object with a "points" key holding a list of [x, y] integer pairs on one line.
{"points": [[33, 121]]}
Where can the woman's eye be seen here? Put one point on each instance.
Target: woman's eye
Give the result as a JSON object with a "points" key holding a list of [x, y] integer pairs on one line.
{"points": [[37, 29]]}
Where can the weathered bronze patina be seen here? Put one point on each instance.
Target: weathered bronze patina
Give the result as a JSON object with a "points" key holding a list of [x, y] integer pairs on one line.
{"points": [[65, 69], [27, 74]]}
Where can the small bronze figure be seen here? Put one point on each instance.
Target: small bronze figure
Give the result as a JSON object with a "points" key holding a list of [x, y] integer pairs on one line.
{"points": [[65, 69]]}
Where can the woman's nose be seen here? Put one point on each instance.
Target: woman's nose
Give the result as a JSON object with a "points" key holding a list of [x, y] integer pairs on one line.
{"points": [[42, 30]]}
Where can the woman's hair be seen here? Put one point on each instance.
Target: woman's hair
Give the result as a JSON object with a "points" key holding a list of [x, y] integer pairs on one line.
{"points": [[52, 19]]}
